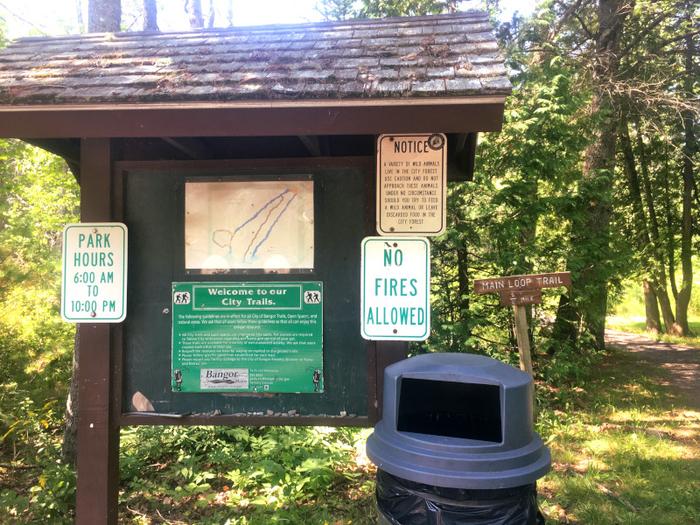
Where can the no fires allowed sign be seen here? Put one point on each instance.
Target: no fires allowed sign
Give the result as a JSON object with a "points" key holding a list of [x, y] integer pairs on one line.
{"points": [[395, 294]]}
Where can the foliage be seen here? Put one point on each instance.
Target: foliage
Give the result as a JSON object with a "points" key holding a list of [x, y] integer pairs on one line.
{"points": [[246, 475], [380, 8], [37, 197], [337, 9], [345, 9]]}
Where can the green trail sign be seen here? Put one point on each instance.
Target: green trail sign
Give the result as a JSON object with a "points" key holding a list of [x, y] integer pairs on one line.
{"points": [[247, 337]]}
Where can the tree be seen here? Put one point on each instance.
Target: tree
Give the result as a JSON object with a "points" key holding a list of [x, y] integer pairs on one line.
{"points": [[229, 13], [193, 8], [657, 87], [589, 260], [79, 16], [212, 14], [104, 16], [337, 9], [150, 12], [381, 8], [689, 150]]}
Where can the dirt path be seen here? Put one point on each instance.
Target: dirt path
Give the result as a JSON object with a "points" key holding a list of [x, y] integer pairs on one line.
{"points": [[682, 362]]}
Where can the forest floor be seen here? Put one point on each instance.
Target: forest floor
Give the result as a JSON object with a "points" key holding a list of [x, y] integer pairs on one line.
{"points": [[625, 439]]}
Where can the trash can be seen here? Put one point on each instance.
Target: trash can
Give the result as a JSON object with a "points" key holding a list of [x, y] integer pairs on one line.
{"points": [[456, 443]]}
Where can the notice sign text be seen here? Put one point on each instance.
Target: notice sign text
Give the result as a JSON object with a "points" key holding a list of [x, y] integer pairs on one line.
{"points": [[411, 184], [247, 337], [93, 288], [395, 288]]}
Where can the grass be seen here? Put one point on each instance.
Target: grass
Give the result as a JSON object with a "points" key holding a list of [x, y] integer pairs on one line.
{"points": [[625, 450]]}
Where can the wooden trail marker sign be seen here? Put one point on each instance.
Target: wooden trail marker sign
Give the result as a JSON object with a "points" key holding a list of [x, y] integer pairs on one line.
{"points": [[518, 291], [520, 297]]}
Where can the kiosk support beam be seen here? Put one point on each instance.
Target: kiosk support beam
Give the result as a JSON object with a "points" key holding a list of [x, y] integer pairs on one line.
{"points": [[98, 433]]}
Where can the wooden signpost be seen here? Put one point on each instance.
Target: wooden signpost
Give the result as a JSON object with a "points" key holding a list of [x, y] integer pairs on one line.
{"points": [[518, 291]]}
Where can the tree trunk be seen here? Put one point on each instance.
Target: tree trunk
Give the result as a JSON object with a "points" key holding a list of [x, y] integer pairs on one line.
{"points": [[150, 15], [683, 300], [79, 16], [193, 8], [212, 14], [660, 282], [651, 308], [69, 448], [649, 197], [647, 243], [670, 230], [589, 260], [229, 13], [104, 16], [463, 288]]}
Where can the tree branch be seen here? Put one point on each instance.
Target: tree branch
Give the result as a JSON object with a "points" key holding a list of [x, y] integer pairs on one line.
{"points": [[573, 8], [584, 26], [643, 33], [22, 19]]}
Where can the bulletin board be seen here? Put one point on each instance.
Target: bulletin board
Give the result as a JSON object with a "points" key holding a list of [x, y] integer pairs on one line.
{"points": [[277, 247]]}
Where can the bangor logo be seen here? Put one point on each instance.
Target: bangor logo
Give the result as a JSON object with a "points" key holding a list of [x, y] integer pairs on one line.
{"points": [[211, 378]]}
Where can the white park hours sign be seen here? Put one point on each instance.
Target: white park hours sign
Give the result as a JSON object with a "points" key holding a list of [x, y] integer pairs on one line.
{"points": [[94, 273], [395, 288]]}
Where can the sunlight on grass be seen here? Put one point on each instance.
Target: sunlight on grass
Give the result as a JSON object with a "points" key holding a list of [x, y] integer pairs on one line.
{"points": [[626, 456], [622, 454]]}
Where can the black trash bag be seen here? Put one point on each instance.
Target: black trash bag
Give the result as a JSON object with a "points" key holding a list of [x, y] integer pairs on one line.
{"points": [[403, 502]]}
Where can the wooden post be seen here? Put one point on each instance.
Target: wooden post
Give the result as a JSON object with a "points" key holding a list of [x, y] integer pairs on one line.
{"points": [[388, 353], [523, 338], [98, 432]]}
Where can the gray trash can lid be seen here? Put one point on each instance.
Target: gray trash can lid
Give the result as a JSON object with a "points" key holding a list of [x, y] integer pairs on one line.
{"points": [[458, 421]]}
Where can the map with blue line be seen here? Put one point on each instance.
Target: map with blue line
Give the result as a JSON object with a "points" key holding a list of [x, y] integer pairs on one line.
{"points": [[251, 224]]}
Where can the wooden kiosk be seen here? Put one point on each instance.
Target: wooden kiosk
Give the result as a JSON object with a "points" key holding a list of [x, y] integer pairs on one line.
{"points": [[155, 126]]}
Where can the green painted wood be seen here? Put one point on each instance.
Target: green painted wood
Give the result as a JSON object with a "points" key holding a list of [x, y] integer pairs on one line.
{"points": [[154, 211]]}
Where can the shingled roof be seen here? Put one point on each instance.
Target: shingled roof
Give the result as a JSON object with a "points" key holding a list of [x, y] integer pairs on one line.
{"points": [[452, 55]]}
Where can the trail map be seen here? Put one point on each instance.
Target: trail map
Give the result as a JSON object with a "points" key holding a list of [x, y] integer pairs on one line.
{"points": [[239, 225]]}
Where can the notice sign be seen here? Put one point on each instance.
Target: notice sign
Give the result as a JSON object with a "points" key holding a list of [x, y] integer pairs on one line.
{"points": [[93, 288], [411, 184], [247, 337], [395, 288]]}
